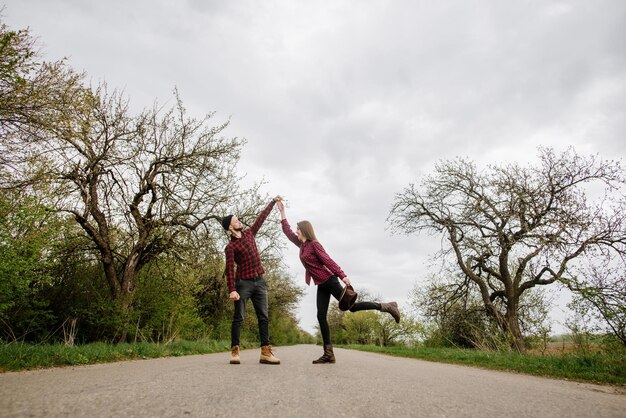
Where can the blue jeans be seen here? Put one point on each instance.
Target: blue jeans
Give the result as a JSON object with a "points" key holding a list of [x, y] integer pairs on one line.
{"points": [[256, 290]]}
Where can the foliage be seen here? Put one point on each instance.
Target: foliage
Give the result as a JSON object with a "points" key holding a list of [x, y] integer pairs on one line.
{"points": [[511, 228], [283, 299], [26, 230], [458, 316], [600, 294], [359, 327], [170, 301], [164, 308]]}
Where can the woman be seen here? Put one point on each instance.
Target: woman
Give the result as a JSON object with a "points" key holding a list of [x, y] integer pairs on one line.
{"points": [[325, 274]]}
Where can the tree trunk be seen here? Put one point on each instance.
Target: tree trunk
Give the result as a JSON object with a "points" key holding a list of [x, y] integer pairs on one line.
{"points": [[122, 287], [509, 325], [517, 339], [127, 289], [125, 299]]}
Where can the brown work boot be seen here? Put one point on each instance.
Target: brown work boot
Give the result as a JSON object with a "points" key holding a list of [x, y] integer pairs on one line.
{"points": [[234, 355], [392, 308], [328, 357], [267, 357]]}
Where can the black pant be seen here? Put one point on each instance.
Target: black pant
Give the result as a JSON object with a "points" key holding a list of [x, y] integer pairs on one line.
{"points": [[255, 289], [332, 287]]}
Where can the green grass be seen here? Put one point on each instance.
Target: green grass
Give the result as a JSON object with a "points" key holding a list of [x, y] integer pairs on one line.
{"points": [[592, 368], [20, 356]]}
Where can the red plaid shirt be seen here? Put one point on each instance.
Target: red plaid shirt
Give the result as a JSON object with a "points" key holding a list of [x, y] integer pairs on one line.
{"points": [[244, 253], [316, 261]]}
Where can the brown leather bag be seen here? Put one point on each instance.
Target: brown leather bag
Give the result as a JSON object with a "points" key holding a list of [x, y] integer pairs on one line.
{"points": [[348, 298]]}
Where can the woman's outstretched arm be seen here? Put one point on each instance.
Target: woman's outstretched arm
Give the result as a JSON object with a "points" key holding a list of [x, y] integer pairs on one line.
{"points": [[286, 227]]}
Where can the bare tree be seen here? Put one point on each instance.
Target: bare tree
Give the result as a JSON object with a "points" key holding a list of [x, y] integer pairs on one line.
{"points": [[135, 184], [512, 228]]}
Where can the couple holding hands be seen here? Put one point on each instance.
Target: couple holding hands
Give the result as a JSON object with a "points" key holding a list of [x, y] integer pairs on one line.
{"points": [[247, 281]]}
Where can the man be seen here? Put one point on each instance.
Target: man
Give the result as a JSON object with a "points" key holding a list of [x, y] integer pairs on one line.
{"points": [[248, 283]]}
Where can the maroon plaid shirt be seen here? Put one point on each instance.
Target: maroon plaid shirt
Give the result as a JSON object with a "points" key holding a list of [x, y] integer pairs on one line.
{"points": [[244, 253], [317, 263]]}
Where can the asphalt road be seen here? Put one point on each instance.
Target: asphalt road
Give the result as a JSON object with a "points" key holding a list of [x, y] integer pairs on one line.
{"points": [[358, 385]]}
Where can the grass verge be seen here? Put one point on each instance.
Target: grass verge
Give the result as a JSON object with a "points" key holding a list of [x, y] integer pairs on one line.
{"points": [[21, 356], [591, 368]]}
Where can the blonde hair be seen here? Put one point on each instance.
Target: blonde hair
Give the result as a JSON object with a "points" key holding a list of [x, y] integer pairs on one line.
{"points": [[307, 230]]}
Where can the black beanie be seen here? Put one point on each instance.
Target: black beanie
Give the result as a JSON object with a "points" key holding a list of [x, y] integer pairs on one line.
{"points": [[226, 222]]}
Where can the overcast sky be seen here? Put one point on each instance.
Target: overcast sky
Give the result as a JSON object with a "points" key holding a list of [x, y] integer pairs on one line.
{"points": [[344, 103]]}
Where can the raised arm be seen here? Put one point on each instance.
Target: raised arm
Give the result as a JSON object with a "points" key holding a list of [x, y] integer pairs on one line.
{"points": [[262, 216], [286, 227]]}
